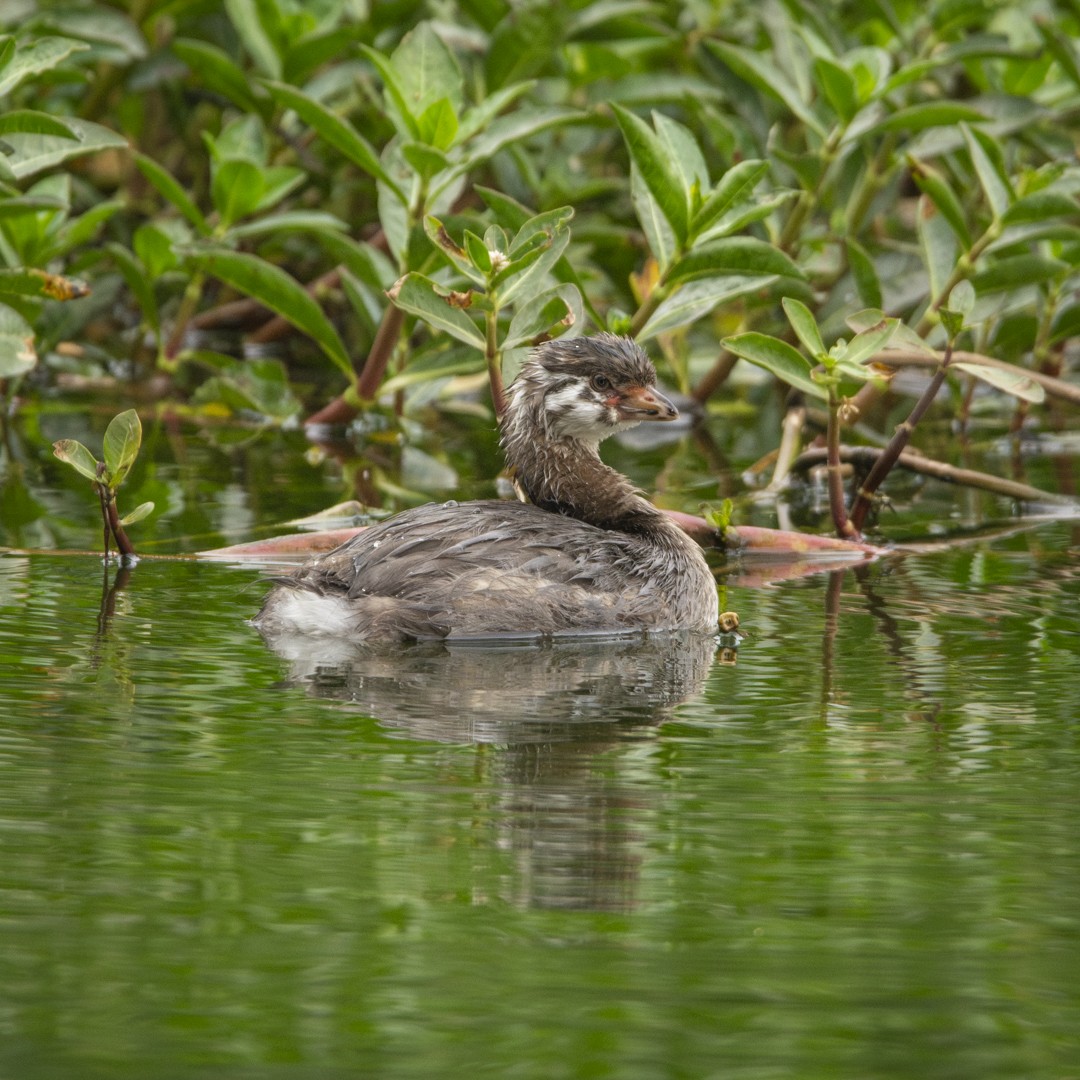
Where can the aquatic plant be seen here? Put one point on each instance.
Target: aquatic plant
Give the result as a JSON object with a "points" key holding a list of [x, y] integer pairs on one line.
{"points": [[123, 437], [414, 197]]}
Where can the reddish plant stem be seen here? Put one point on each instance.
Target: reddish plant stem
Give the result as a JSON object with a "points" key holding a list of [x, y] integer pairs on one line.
{"points": [[382, 348], [715, 377], [230, 314], [884, 464], [111, 522], [844, 527], [276, 328], [341, 410]]}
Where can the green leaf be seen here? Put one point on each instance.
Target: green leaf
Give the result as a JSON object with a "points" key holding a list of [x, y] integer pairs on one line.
{"points": [[928, 114], [427, 71], [507, 210], [7, 51], [247, 19], [1018, 271], [41, 55], [664, 182], [839, 86], [73, 453], [420, 296], [994, 185], [425, 160], [315, 221], [869, 67], [537, 247], [218, 73], [478, 253], [935, 187], [762, 72], [1066, 324], [938, 246], [123, 437], [480, 116], [367, 263], [962, 298], [733, 255], [452, 251], [17, 353], [279, 181], [1015, 382], [141, 511], [341, 135], [697, 299], [736, 186], [441, 365], [172, 192], [28, 205], [739, 216], [903, 336], [438, 124], [684, 154], [955, 310], [559, 308], [154, 242], [78, 232], [1061, 47], [805, 326], [863, 273], [398, 107], [1025, 74], [275, 289], [658, 232], [38, 123], [32, 153], [1041, 206], [867, 344], [236, 189], [772, 354], [139, 281], [242, 138], [96, 23], [521, 124]]}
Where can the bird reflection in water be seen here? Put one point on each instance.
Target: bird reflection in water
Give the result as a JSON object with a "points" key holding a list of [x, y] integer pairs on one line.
{"points": [[548, 716]]}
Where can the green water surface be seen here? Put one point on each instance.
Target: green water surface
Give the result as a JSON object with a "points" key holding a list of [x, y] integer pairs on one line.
{"points": [[852, 853]]}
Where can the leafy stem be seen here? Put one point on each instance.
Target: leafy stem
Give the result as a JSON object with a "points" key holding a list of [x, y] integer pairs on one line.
{"points": [[123, 437]]}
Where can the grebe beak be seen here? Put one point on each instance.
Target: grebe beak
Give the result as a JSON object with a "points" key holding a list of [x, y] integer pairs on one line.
{"points": [[645, 403]]}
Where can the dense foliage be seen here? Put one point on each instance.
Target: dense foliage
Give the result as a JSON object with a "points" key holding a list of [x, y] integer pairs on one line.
{"points": [[422, 190]]}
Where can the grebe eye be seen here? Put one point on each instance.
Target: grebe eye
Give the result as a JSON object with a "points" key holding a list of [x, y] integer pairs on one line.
{"points": [[601, 382]]}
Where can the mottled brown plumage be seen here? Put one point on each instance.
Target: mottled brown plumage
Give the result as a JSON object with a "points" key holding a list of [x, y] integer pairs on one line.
{"points": [[586, 554]]}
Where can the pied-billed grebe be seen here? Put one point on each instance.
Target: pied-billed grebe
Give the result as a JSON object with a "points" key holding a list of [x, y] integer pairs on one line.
{"points": [[586, 554]]}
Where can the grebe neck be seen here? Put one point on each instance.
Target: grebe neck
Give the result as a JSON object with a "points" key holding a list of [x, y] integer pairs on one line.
{"points": [[565, 475]]}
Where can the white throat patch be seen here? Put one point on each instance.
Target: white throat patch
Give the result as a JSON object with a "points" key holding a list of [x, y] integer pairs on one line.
{"points": [[573, 412]]}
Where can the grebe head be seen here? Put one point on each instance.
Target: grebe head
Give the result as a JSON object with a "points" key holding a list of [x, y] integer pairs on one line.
{"points": [[586, 389]]}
